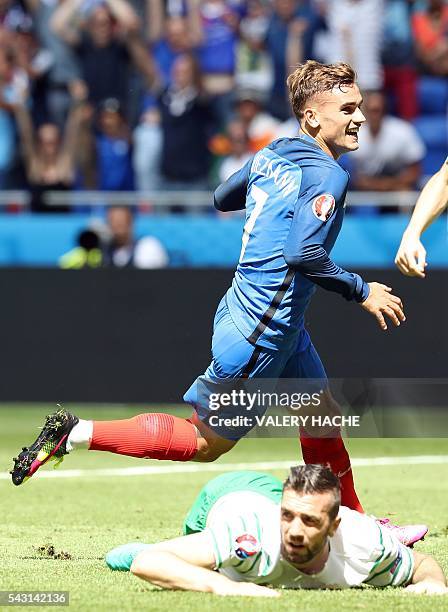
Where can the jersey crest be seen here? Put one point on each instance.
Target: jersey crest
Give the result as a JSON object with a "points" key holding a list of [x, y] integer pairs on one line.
{"points": [[323, 206], [246, 546]]}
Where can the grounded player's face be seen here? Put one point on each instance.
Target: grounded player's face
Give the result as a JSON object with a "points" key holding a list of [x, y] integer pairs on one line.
{"points": [[305, 526], [336, 118]]}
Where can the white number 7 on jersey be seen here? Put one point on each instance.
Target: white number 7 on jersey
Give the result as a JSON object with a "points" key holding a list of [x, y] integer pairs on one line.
{"points": [[260, 198]]}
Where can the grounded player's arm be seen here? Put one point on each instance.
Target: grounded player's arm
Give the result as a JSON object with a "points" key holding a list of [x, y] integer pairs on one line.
{"points": [[187, 563], [304, 251], [231, 195], [411, 255], [428, 576]]}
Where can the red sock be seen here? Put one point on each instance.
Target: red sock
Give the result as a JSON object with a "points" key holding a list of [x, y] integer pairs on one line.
{"points": [[149, 436], [332, 452]]}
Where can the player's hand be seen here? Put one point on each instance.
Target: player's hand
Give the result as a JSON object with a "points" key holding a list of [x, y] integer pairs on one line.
{"points": [[411, 256], [245, 589], [427, 587], [381, 302]]}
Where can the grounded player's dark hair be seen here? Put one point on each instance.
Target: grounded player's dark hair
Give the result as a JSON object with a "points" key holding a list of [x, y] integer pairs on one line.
{"points": [[315, 478], [313, 78]]}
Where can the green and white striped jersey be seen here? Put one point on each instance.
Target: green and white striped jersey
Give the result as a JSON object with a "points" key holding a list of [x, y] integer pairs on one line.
{"points": [[244, 528]]}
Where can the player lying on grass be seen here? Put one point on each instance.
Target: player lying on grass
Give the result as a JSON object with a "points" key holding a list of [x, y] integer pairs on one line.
{"points": [[294, 194], [411, 256], [255, 532]]}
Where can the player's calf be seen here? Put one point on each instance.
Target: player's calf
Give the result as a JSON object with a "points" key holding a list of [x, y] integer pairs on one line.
{"points": [[147, 436]]}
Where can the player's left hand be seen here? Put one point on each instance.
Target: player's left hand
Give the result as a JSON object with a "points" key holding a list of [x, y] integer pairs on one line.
{"points": [[381, 302], [411, 256], [427, 587]]}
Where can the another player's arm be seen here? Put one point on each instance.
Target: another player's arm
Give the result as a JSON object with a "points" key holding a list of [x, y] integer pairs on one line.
{"points": [[305, 252], [187, 563], [427, 577], [231, 195], [411, 255]]}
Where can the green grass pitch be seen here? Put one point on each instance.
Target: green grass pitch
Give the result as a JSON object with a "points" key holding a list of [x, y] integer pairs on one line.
{"points": [[83, 517]]}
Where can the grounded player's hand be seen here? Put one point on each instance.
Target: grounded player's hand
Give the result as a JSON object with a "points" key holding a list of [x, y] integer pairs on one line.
{"points": [[411, 256], [382, 303], [427, 587], [245, 589]]}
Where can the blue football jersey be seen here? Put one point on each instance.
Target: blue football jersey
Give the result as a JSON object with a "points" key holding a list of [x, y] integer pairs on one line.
{"points": [[294, 195]]}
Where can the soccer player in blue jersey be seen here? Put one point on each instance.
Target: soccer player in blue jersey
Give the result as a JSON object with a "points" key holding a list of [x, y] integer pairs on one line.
{"points": [[294, 194]]}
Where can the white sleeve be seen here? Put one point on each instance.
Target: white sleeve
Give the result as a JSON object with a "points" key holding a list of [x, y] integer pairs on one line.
{"points": [[226, 169], [413, 148], [394, 565], [236, 539]]}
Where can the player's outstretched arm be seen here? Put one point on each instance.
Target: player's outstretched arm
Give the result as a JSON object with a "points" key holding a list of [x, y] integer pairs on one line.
{"points": [[381, 303], [187, 564], [411, 255], [428, 577]]}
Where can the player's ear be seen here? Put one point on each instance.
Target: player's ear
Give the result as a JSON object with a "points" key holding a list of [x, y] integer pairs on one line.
{"points": [[311, 117], [333, 526]]}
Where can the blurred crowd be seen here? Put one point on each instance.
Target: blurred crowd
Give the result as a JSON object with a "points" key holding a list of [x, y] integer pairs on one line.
{"points": [[118, 95]]}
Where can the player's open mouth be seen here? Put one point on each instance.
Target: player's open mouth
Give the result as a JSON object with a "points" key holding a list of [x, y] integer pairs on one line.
{"points": [[296, 546], [353, 133]]}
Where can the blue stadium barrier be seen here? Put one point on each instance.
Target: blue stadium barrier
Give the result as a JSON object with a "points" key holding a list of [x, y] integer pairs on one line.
{"points": [[208, 241]]}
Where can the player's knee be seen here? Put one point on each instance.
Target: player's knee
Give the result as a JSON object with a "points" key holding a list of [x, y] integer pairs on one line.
{"points": [[208, 455], [209, 451]]}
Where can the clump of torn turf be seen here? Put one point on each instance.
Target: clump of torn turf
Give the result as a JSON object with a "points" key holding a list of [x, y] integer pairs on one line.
{"points": [[48, 551]]}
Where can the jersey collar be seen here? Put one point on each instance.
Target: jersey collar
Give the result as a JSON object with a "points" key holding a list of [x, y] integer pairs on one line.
{"points": [[310, 140]]}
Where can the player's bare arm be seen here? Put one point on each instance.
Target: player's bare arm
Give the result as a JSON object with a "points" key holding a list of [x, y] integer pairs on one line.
{"points": [[187, 563], [428, 577], [382, 303], [411, 255]]}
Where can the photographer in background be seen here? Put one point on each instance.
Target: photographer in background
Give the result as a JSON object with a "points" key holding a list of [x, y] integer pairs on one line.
{"points": [[114, 245], [123, 250]]}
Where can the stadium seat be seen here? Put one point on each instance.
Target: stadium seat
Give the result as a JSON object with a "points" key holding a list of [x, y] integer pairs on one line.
{"points": [[433, 129], [434, 158], [432, 95]]}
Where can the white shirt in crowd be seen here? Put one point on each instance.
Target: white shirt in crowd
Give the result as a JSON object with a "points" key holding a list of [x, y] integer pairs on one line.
{"points": [[355, 32], [232, 164], [396, 146]]}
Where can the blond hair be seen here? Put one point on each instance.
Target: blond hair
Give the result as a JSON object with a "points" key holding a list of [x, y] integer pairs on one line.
{"points": [[313, 78]]}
